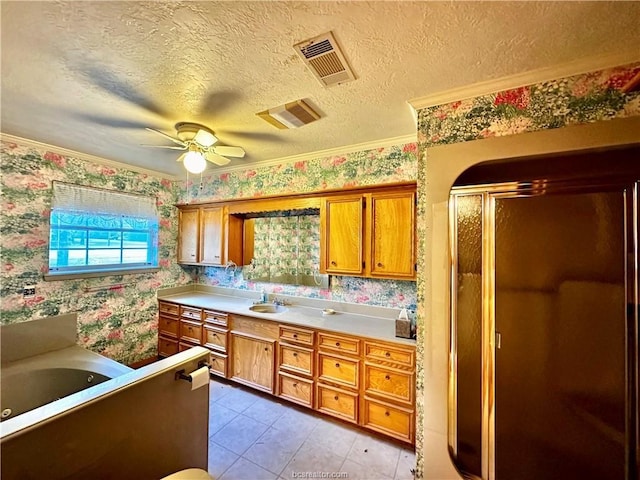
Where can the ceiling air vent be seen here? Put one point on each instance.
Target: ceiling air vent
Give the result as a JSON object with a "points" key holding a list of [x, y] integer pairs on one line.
{"points": [[325, 60]]}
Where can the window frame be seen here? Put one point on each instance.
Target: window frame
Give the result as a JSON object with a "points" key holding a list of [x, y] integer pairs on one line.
{"points": [[111, 212]]}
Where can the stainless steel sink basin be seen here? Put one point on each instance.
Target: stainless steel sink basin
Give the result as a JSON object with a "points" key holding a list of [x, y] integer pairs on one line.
{"points": [[267, 308]]}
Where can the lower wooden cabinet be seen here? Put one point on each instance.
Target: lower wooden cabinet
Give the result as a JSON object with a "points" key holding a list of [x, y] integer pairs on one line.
{"points": [[295, 389], [167, 346], [389, 419], [218, 364], [338, 402], [366, 382], [252, 361]]}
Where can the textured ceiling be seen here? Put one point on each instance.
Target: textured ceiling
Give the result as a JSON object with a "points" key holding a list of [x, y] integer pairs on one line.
{"points": [[89, 76]]}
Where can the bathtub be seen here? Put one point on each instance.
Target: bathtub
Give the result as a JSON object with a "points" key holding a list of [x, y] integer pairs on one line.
{"points": [[30, 383]]}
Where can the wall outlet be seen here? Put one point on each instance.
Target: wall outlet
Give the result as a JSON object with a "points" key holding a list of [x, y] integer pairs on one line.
{"points": [[28, 291]]}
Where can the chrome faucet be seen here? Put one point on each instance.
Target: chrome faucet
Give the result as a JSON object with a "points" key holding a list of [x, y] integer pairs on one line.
{"points": [[277, 301]]}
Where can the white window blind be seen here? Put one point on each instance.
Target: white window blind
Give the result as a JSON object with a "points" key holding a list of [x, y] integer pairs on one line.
{"points": [[79, 198], [101, 232]]}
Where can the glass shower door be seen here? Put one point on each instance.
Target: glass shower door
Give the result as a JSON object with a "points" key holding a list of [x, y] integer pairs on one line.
{"points": [[560, 326]]}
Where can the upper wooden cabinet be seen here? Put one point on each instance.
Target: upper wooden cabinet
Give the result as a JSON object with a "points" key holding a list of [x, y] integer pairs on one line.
{"points": [[369, 234], [392, 238], [208, 235], [341, 235]]}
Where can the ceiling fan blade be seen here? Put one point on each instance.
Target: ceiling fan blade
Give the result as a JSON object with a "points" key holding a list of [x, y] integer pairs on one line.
{"points": [[229, 151], [205, 138], [174, 140], [164, 146], [215, 158], [181, 157]]}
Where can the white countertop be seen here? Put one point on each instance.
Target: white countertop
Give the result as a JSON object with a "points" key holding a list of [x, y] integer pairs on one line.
{"points": [[380, 325]]}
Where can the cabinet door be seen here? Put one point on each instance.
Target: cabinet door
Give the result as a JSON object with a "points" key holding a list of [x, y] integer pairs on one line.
{"points": [[188, 235], [253, 361], [392, 235], [341, 235], [212, 236]]}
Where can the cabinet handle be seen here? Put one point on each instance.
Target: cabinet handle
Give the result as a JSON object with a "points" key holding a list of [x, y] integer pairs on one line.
{"points": [[386, 414], [295, 354], [335, 397], [266, 349], [295, 385], [333, 263], [387, 377], [380, 264], [337, 344], [215, 335], [388, 354], [337, 365], [295, 335]]}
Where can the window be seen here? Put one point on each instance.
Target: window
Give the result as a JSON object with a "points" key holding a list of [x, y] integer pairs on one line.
{"points": [[97, 232]]}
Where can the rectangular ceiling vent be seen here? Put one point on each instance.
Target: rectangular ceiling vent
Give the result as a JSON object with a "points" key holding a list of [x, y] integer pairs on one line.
{"points": [[325, 60]]}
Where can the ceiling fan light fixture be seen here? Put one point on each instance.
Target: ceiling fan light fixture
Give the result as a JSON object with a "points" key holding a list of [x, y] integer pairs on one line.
{"points": [[194, 162], [290, 115], [205, 138]]}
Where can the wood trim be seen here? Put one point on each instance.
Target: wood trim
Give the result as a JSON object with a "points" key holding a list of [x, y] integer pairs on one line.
{"points": [[267, 203]]}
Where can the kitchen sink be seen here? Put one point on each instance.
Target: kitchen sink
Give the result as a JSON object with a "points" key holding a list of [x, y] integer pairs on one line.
{"points": [[267, 308]]}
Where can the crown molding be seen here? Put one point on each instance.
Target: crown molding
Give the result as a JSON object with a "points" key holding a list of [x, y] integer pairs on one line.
{"points": [[546, 74], [330, 152], [84, 156]]}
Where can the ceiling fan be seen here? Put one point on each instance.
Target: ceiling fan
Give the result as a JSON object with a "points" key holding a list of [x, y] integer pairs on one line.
{"points": [[200, 145]]}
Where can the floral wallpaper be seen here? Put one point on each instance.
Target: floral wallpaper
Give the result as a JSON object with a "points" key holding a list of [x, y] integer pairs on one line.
{"points": [[117, 315], [585, 98], [368, 167], [397, 163], [558, 103]]}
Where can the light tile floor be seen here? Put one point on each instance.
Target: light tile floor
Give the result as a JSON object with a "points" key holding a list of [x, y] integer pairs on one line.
{"points": [[256, 437]]}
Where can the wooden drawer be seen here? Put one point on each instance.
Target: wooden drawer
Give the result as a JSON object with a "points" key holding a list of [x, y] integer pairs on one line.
{"points": [[218, 364], [405, 357], [388, 419], [255, 327], [341, 370], [167, 346], [191, 313], [190, 331], [169, 308], [182, 346], [337, 402], [389, 382], [295, 359], [215, 338], [168, 326], [338, 344], [296, 335], [216, 318], [295, 389]]}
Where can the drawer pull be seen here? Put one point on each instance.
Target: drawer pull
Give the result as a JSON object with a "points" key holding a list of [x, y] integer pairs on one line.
{"points": [[380, 264], [335, 397], [215, 335], [386, 414], [295, 335], [337, 365], [333, 263], [387, 377], [295, 385], [295, 354], [266, 349], [337, 344]]}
